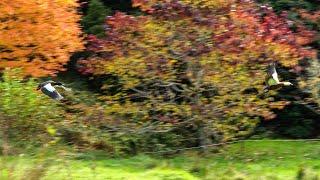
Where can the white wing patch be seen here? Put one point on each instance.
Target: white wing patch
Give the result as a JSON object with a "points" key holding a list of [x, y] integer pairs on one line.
{"points": [[275, 76], [49, 87]]}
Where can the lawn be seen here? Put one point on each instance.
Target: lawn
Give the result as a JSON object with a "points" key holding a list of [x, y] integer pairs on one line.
{"points": [[245, 160]]}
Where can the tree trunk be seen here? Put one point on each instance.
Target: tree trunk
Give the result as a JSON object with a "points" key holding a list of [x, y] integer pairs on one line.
{"points": [[203, 138]]}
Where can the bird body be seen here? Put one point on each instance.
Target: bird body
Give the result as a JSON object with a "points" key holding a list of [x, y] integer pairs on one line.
{"points": [[272, 81], [48, 88]]}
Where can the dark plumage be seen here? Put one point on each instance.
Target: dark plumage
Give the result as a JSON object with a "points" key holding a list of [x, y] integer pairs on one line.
{"points": [[48, 88]]}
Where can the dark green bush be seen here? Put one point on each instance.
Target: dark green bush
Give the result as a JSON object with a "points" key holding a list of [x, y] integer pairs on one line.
{"points": [[94, 20]]}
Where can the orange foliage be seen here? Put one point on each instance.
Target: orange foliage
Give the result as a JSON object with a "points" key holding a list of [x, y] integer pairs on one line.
{"points": [[38, 35]]}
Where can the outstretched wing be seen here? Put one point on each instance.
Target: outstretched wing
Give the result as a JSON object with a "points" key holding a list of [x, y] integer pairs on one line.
{"points": [[60, 85], [273, 72], [272, 75], [63, 87], [51, 92]]}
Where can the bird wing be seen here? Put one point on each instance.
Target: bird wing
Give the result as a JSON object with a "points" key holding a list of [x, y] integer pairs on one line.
{"points": [[51, 92], [49, 87], [272, 72], [63, 87], [54, 83]]}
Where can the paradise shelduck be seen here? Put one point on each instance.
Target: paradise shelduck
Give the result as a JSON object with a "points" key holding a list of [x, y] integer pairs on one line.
{"points": [[272, 80], [48, 88]]}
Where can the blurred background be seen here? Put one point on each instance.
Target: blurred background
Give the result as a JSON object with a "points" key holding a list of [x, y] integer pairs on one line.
{"points": [[161, 89]]}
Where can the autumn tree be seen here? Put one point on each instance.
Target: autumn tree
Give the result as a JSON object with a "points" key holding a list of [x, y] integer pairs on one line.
{"points": [[38, 36], [194, 68]]}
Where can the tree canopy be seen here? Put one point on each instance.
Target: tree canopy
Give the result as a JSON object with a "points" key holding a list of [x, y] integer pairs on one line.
{"points": [[195, 62], [38, 36], [165, 74]]}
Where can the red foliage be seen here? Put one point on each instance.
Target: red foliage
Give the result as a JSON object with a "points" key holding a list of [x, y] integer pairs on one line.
{"points": [[228, 44]]}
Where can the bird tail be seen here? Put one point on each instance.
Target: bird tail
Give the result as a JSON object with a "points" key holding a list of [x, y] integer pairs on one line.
{"points": [[59, 98]]}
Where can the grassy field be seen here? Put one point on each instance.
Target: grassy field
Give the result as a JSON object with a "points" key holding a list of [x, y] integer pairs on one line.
{"points": [[249, 160]]}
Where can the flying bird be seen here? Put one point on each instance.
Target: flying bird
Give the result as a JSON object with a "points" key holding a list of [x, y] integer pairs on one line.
{"points": [[48, 88], [272, 81]]}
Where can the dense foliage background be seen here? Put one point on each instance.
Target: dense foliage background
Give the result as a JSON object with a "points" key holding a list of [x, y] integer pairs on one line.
{"points": [[156, 86], [157, 75]]}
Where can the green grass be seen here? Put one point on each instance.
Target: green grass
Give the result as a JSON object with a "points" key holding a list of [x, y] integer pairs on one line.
{"points": [[249, 160]]}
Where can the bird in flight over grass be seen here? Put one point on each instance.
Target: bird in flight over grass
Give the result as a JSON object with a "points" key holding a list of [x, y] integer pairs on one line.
{"points": [[48, 88], [272, 81]]}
